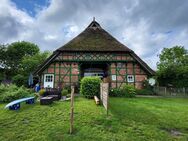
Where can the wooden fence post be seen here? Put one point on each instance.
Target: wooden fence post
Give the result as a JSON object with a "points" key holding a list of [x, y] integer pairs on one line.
{"points": [[165, 90], [72, 110], [184, 90]]}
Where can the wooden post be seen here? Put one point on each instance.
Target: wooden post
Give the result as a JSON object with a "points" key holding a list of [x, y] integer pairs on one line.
{"points": [[184, 91], [72, 110], [165, 91]]}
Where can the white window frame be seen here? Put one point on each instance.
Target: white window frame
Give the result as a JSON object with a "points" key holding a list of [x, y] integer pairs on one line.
{"points": [[50, 78], [130, 80]]}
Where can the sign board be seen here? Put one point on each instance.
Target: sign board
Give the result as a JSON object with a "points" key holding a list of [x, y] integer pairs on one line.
{"points": [[104, 93]]}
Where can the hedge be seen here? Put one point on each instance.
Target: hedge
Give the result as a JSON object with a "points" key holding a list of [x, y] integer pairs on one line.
{"points": [[90, 86]]}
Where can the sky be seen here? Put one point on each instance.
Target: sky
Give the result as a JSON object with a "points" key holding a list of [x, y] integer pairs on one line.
{"points": [[145, 26]]}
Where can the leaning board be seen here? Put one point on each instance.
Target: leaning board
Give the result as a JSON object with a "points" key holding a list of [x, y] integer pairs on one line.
{"points": [[104, 90], [18, 101]]}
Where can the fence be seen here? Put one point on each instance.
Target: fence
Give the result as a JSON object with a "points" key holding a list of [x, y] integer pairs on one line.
{"points": [[175, 92], [104, 93]]}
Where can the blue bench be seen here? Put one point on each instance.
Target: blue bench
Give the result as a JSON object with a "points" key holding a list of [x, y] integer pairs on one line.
{"points": [[15, 105]]}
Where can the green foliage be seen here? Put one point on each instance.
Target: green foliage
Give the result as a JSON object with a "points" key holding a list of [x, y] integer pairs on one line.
{"points": [[90, 86], [116, 92], [124, 91], [64, 92], [21, 58], [41, 92], [15, 52], [173, 67], [1, 76], [144, 92], [20, 80], [3, 49], [30, 63], [128, 90], [67, 87], [12, 92], [175, 56]]}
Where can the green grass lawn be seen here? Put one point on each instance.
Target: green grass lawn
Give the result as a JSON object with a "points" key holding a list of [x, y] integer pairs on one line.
{"points": [[136, 119]]}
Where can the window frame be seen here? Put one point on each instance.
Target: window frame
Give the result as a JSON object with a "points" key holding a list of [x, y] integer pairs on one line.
{"points": [[132, 79]]}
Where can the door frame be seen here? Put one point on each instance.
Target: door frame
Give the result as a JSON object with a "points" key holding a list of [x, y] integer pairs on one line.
{"points": [[53, 79]]}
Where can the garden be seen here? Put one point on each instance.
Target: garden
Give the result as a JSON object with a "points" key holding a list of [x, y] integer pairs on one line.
{"points": [[130, 118]]}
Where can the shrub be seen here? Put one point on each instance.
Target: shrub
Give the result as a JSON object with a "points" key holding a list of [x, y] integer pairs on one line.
{"points": [[19, 80], [67, 87], [41, 92], [128, 90], [13, 93], [90, 86], [144, 92], [64, 92], [116, 92]]}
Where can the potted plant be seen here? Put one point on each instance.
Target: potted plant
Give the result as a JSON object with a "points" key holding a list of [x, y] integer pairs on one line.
{"points": [[64, 93], [41, 92]]}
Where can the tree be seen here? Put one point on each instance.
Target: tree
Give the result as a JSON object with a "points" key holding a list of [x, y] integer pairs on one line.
{"points": [[3, 49], [12, 54], [29, 64], [17, 50], [173, 67], [175, 56], [19, 59]]}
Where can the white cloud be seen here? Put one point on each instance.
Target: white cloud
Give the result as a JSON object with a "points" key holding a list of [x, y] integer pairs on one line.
{"points": [[145, 27]]}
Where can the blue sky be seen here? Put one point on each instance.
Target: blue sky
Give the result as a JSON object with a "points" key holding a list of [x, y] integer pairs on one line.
{"points": [[31, 6], [145, 26]]}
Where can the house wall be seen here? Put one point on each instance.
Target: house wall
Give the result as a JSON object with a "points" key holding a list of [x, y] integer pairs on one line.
{"points": [[67, 72], [122, 70]]}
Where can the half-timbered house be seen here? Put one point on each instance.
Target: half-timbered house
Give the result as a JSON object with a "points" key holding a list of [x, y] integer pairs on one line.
{"points": [[94, 52]]}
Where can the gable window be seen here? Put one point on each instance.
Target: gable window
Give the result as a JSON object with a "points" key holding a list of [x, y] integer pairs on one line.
{"points": [[119, 65], [49, 78], [130, 78]]}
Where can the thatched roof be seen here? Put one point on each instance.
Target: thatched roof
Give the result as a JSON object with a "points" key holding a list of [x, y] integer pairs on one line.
{"points": [[94, 38]]}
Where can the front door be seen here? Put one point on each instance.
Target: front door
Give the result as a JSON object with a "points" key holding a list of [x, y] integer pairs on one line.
{"points": [[48, 81]]}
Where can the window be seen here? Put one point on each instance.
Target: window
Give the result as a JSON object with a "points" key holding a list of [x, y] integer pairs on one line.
{"points": [[119, 65], [49, 78], [130, 78]]}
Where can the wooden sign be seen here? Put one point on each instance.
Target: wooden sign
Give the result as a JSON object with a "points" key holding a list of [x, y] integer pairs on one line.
{"points": [[104, 92]]}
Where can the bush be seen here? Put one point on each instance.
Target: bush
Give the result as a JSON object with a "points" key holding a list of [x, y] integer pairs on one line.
{"points": [[68, 88], [90, 86], [64, 92], [19, 80], [128, 90], [144, 92], [115, 92], [41, 92], [12, 92]]}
